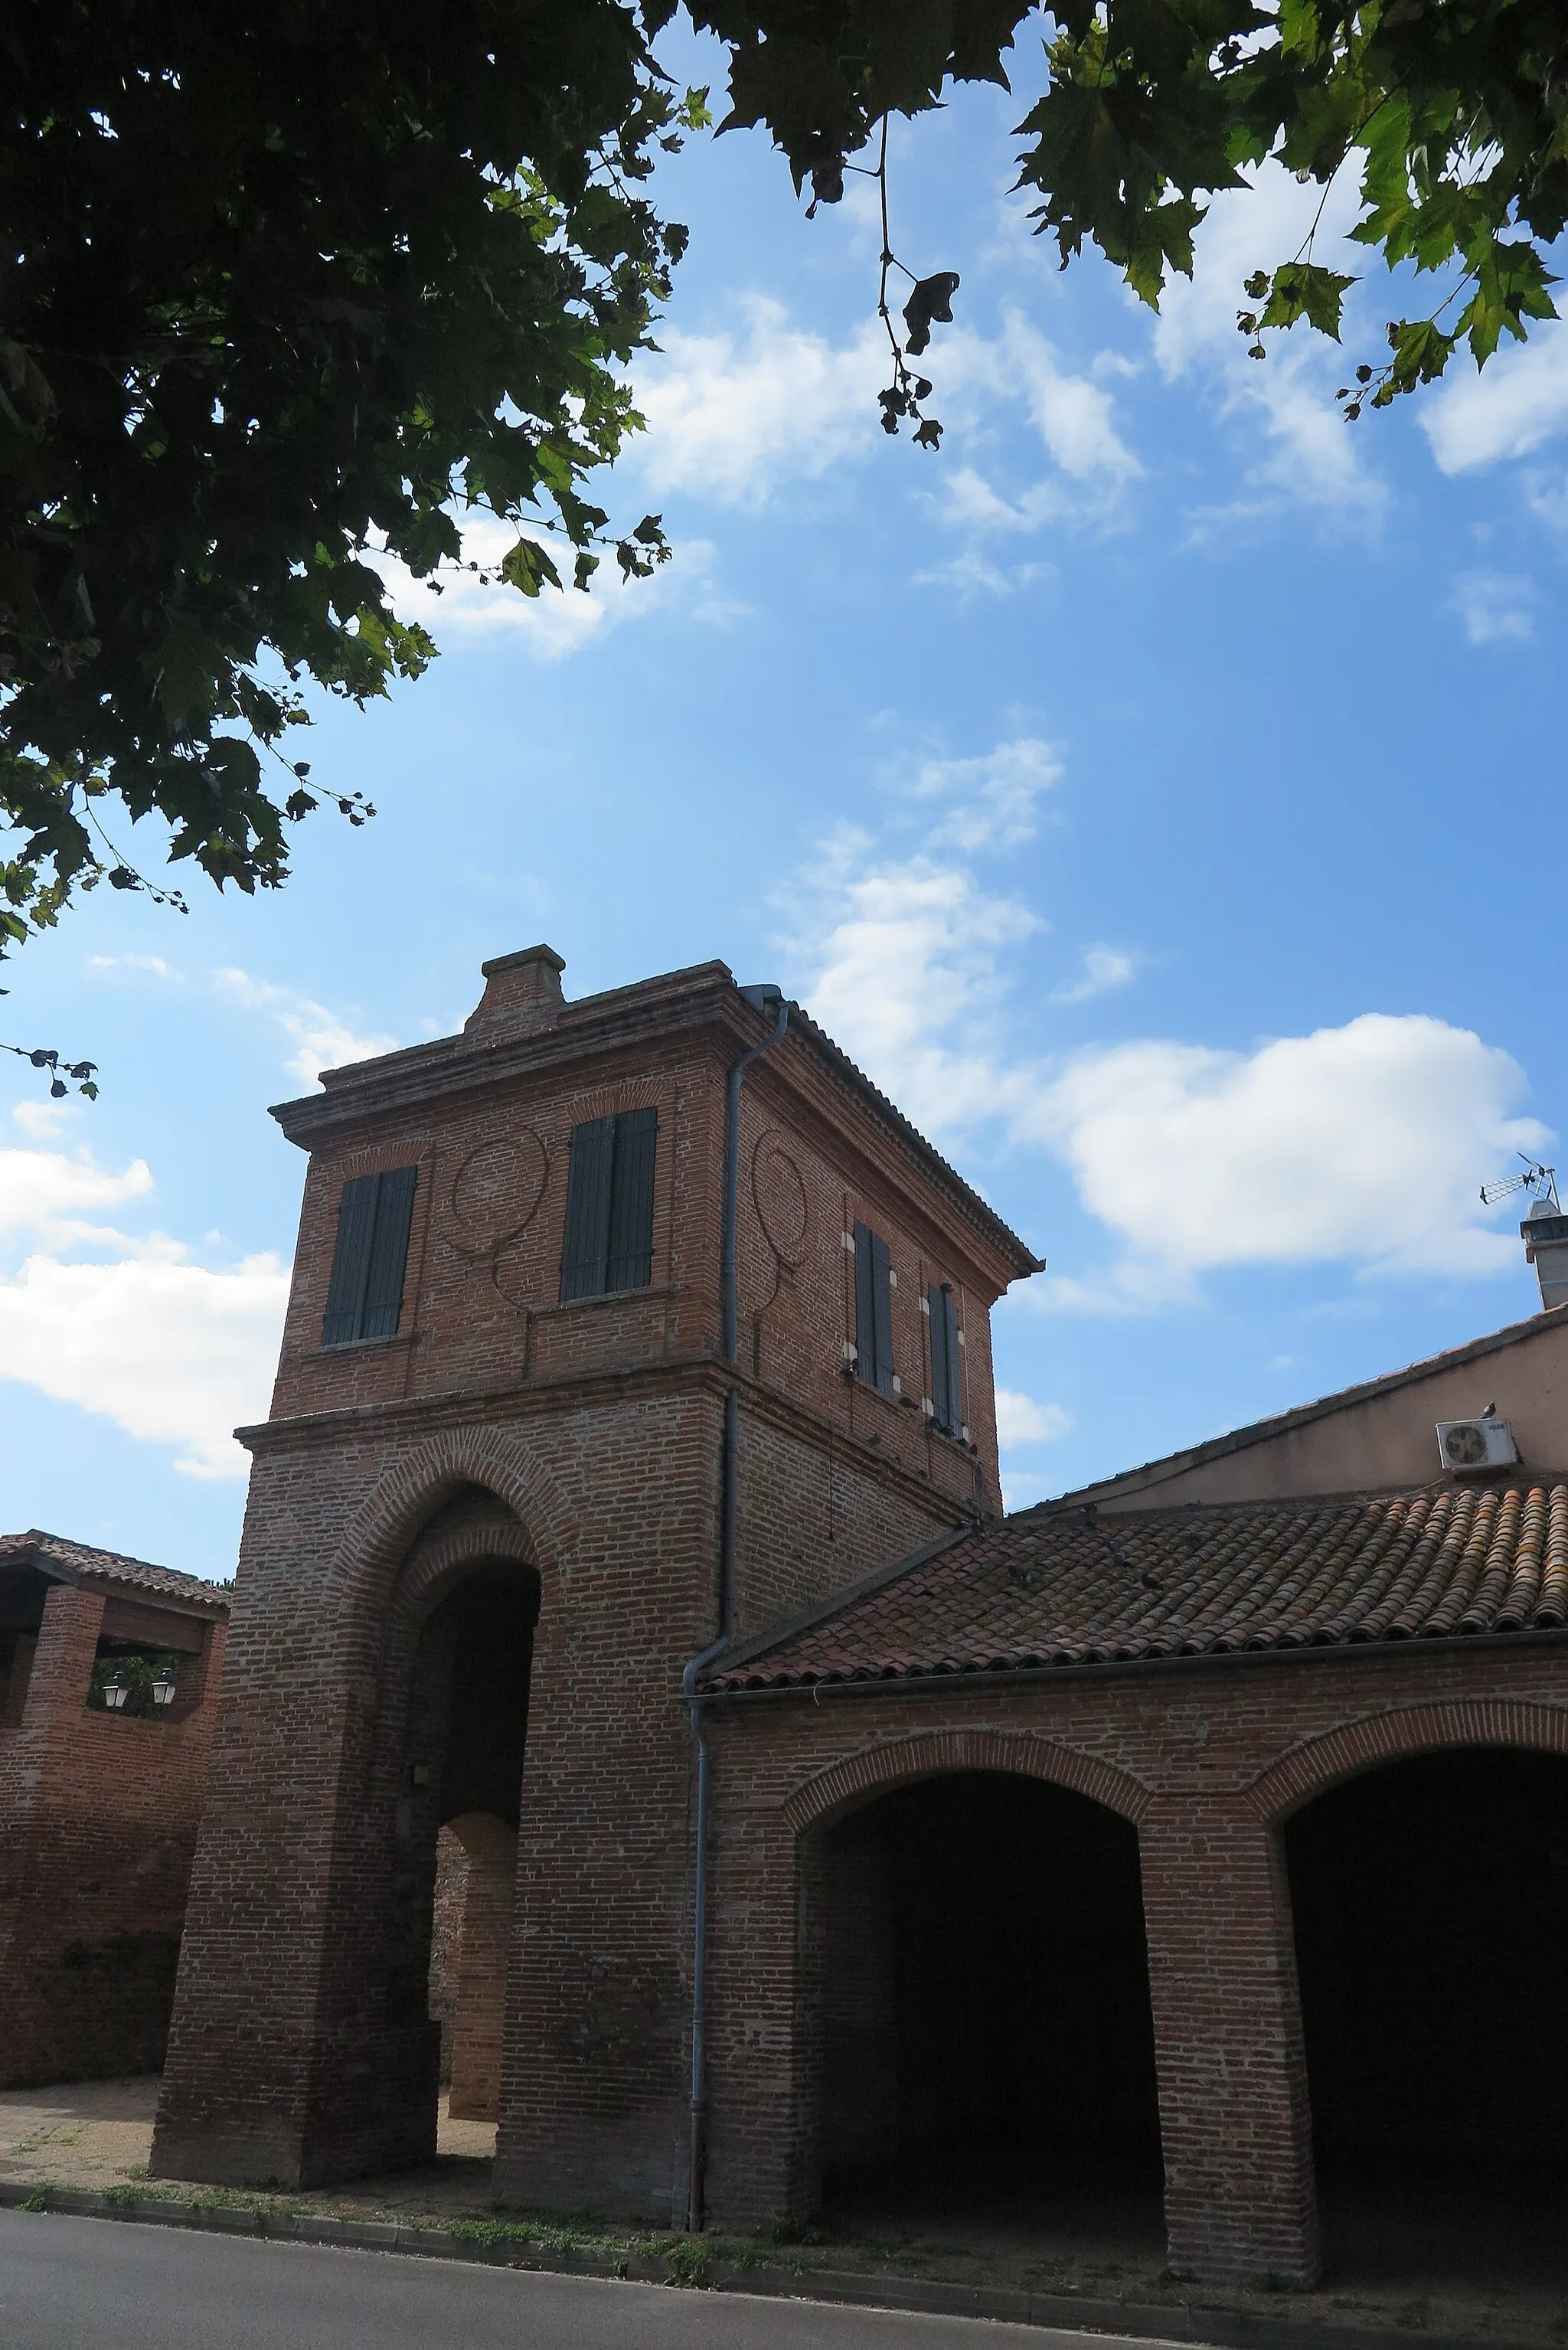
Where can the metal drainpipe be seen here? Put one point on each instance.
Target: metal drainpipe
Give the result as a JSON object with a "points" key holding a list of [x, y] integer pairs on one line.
{"points": [[727, 1522]]}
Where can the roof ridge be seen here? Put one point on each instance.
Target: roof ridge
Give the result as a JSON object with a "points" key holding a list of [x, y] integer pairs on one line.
{"points": [[1259, 1432]]}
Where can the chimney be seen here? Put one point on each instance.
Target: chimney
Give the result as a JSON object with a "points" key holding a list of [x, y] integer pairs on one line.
{"points": [[1544, 1233], [522, 995]]}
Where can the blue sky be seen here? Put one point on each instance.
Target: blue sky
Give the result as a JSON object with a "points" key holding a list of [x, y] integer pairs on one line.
{"points": [[1156, 790]]}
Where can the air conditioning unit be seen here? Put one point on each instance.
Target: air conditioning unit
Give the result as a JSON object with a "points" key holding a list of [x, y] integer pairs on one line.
{"points": [[1471, 1444]]}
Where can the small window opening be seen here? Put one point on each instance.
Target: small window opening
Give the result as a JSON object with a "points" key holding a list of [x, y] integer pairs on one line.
{"points": [[129, 1678]]}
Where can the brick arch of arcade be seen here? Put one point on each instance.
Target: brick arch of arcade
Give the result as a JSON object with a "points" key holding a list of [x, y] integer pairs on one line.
{"points": [[1208, 1759]]}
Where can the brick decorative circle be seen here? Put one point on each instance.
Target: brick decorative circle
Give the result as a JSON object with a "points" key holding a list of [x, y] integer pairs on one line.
{"points": [[495, 1192], [779, 1191]]}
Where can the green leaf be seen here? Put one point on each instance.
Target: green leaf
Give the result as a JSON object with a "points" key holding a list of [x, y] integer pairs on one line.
{"points": [[1301, 289], [527, 566]]}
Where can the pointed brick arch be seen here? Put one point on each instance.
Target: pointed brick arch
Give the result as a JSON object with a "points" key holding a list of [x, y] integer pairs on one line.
{"points": [[386, 1524], [1357, 1746], [434, 1566], [899, 1760]]}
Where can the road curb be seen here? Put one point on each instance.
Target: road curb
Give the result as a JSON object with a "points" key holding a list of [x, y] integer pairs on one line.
{"points": [[1185, 2323]]}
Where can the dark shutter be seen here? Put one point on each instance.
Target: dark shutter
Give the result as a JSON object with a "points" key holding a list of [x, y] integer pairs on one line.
{"points": [[882, 1290], [350, 1261], [939, 1357], [585, 1257], [388, 1253], [947, 1395], [365, 1296], [630, 1251], [865, 1309], [873, 1310]]}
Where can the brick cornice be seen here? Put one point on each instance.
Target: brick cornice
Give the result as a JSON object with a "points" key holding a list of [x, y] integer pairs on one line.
{"points": [[685, 1005], [488, 1406]]}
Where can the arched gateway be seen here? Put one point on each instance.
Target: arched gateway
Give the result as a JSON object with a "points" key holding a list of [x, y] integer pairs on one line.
{"points": [[631, 1498], [518, 1465]]}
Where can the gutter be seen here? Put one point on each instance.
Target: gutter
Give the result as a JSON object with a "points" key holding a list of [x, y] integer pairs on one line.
{"points": [[691, 1697]]}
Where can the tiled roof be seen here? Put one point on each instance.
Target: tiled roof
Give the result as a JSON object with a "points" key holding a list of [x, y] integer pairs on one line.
{"points": [[1058, 1587], [75, 1559]]}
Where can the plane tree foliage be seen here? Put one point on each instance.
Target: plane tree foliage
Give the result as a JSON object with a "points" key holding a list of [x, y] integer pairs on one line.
{"points": [[284, 288], [1449, 116]]}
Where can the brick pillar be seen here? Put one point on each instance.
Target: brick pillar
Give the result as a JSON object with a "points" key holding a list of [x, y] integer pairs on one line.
{"points": [[42, 1840], [768, 1930], [1239, 2196], [62, 1665], [484, 1946]]}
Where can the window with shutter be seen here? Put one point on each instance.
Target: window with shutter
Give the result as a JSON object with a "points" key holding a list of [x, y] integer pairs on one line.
{"points": [[946, 1384], [873, 1310], [586, 1255], [609, 1205], [365, 1295], [631, 1201]]}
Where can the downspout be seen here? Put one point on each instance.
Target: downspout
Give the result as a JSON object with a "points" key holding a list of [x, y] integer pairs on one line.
{"points": [[728, 1481]]}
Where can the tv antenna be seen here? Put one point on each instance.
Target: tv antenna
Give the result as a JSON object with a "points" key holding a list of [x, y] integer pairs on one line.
{"points": [[1541, 1180]]}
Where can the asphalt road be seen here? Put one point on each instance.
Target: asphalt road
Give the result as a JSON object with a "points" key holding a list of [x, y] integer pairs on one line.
{"points": [[66, 2283]]}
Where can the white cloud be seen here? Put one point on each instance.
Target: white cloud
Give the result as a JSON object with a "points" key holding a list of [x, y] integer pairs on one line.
{"points": [[1104, 967], [1494, 609], [43, 1118], [990, 801], [152, 964], [1362, 1145], [970, 574], [324, 1040], [1074, 415], [1309, 453], [1020, 1420], [899, 952], [732, 416], [1506, 409], [557, 623], [174, 1352], [1365, 1143], [46, 1192]]}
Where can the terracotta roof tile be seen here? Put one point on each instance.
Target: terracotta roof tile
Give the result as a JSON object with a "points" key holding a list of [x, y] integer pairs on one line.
{"points": [[1061, 1587], [75, 1559]]}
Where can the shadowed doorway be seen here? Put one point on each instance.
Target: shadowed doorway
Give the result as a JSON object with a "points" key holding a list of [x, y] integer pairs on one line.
{"points": [[1430, 1899], [987, 2044], [467, 1732]]}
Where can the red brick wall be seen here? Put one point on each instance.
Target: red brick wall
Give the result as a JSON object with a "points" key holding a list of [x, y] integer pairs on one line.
{"points": [[97, 1825], [1207, 1759]]}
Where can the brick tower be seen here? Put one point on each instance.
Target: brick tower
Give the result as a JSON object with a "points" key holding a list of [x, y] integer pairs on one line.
{"points": [[487, 1531]]}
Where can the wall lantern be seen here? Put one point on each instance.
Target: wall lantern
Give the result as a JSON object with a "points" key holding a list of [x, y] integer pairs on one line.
{"points": [[115, 1693], [163, 1689]]}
